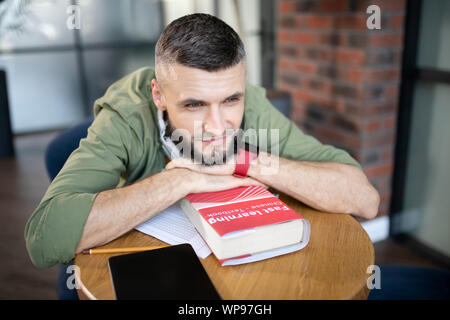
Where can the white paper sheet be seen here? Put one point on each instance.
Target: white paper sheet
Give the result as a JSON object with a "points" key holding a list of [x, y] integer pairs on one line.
{"points": [[172, 227]]}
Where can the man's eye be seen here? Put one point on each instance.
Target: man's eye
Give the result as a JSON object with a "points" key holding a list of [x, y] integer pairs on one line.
{"points": [[231, 100], [193, 105]]}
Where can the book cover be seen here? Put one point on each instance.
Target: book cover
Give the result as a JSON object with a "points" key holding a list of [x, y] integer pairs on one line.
{"points": [[246, 224]]}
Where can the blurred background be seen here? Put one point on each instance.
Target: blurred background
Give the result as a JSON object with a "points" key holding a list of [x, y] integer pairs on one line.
{"points": [[381, 94]]}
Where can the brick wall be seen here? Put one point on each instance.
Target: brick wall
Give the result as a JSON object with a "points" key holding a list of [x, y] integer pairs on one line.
{"points": [[343, 78]]}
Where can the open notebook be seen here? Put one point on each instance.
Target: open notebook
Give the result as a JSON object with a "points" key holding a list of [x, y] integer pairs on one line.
{"points": [[172, 226]]}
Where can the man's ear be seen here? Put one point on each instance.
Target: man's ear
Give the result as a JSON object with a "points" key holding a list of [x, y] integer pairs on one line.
{"points": [[158, 97]]}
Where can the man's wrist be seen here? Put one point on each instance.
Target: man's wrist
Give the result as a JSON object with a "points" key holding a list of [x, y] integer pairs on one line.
{"points": [[243, 161], [254, 170], [182, 180], [263, 165]]}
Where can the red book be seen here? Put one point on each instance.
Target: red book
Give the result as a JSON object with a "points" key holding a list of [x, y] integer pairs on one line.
{"points": [[245, 222]]}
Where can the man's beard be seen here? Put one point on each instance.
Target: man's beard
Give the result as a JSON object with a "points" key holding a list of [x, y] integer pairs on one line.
{"points": [[216, 154]]}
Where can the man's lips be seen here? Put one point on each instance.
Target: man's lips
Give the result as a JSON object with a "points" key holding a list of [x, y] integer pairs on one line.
{"points": [[215, 140]]}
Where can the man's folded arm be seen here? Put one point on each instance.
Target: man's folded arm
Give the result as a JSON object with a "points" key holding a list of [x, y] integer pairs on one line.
{"points": [[53, 231]]}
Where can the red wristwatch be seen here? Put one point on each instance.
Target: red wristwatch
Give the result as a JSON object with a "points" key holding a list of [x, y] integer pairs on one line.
{"points": [[243, 163]]}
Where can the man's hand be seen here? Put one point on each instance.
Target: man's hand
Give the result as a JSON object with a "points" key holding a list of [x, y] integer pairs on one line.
{"points": [[226, 169], [204, 182], [211, 178]]}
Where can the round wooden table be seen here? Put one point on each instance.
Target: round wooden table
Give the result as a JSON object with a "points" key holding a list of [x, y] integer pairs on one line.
{"points": [[332, 266]]}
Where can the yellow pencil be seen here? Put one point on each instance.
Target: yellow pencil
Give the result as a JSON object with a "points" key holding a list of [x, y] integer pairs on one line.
{"points": [[121, 250]]}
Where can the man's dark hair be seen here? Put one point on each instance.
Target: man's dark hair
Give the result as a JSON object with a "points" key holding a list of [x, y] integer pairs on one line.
{"points": [[201, 41]]}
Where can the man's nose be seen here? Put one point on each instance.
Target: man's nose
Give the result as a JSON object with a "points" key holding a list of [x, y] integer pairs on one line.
{"points": [[214, 122]]}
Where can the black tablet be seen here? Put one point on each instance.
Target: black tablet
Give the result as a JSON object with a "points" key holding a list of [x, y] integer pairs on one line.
{"points": [[173, 272]]}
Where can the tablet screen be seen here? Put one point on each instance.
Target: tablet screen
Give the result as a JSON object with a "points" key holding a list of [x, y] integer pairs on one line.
{"points": [[173, 272]]}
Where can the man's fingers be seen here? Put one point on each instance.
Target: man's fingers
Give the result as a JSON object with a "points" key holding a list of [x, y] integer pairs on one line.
{"points": [[180, 163], [248, 182], [218, 169]]}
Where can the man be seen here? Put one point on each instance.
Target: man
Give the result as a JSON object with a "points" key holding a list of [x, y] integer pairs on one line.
{"points": [[118, 177]]}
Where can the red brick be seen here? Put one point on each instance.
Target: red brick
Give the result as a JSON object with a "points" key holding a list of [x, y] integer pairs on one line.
{"points": [[382, 75], [346, 123], [290, 78], [284, 64], [385, 197], [385, 183], [354, 107], [288, 51], [287, 21], [379, 170], [340, 106], [322, 102], [319, 54], [380, 108], [303, 96], [347, 74], [284, 36], [351, 22], [373, 125], [333, 5], [354, 75], [285, 86], [397, 21], [333, 39], [305, 37], [349, 91], [298, 110], [318, 21], [305, 67], [371, 157], [390, 122], [321, 86], [387, 139], [387, 56], [350, 56], [287, 6], [392, 90], [379, 40], [388, 154], [390, 5], [328, 134]]}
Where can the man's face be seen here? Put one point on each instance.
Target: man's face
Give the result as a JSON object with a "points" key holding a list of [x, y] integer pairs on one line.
{"points": [[208, 106]]}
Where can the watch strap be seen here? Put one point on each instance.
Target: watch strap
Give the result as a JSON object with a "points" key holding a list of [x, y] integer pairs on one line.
{"points": [[244, 159]]}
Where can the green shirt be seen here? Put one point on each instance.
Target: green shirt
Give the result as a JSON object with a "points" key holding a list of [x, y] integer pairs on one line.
{"points": [[123, 145]]}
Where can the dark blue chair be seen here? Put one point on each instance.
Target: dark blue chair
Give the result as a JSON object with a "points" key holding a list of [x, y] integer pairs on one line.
{"points": [[63, 145], [412, 283], [56, 155]]}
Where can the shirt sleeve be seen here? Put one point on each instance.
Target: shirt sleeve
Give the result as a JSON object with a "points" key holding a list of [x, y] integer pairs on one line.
{"points": [[54, 229], [292, 143]]}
